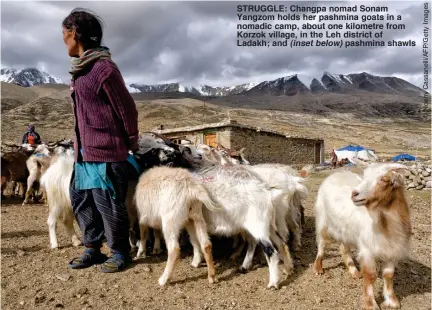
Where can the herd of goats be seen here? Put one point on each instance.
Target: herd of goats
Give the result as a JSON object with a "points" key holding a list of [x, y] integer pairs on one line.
{"points": [[216, 191]]}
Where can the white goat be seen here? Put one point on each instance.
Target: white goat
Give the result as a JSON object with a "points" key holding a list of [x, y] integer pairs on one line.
{"points": [[170, 199], [285, 199], [245, 201], [294, 201], [37, 164], [56, 181], [290, 205], [370, 214]]}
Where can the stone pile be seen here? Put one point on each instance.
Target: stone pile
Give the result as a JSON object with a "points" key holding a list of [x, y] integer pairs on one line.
{"points": [[418, 176]]}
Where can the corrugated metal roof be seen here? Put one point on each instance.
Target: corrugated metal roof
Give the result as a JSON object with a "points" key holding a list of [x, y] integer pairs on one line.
{"points": [[231, 123]]}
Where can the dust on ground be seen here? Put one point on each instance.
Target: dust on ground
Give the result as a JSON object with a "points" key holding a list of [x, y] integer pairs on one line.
{"points": [[36, 277]]}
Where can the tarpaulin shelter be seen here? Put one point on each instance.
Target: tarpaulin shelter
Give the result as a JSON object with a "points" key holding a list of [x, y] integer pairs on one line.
{"points": [[356, 151], [405, 157]]}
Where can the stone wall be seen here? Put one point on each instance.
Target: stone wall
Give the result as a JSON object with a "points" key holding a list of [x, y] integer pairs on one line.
{"points": [[418, 176], [262, 147]]}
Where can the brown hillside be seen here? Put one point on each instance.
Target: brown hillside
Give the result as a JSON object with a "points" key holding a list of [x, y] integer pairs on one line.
{"points": [[339, 120]]}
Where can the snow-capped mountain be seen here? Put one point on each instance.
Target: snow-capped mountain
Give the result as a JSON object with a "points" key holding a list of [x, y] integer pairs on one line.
{"points": [[202, 90], [290, 85], [298, 84], [340, 83], [28, 77]]}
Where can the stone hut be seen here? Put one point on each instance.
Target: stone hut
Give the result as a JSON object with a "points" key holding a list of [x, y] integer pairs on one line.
{"points": [[261, 145]]}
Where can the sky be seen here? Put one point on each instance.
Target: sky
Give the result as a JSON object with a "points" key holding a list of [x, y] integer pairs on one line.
{"points": [[195, 43]]}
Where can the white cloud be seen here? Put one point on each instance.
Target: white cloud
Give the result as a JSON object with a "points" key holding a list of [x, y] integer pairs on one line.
{"points": [[155, 42]]}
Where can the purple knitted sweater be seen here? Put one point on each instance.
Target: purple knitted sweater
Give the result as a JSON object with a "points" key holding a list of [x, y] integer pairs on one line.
{"points": [[106, 118]]}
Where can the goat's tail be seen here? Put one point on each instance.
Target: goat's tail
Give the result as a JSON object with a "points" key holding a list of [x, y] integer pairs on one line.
{"points": [[302, 190], [305, 171], [203, 195]]}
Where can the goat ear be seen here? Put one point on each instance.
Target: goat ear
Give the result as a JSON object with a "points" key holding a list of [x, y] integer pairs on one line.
{"points": [[303, 173], [396, 179], [398, 168], [242, 150]]}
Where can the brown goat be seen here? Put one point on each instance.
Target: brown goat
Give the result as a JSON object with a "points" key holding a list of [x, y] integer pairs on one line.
{"points": [[15, 169]]}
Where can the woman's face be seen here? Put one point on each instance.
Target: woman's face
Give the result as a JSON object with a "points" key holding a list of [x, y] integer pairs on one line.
{"points": [[71, 43]]}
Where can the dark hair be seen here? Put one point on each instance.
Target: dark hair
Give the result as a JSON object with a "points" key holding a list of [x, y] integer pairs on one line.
{"points": [[88, 27]]}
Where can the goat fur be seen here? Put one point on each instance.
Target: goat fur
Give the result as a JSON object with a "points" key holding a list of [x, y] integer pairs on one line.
{"points": [[251, 210], [371, 214], [56, 181]]}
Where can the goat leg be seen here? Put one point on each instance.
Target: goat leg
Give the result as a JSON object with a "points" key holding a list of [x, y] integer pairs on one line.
{"points": [[271, 256], [349, 262], [390, 299], [248, 260], [143, 241], [369, 277], [240, 239], [321, 242], [171, 234], [52, 224], [157, 242], [197, 257], [68, 223], [284, 252]]}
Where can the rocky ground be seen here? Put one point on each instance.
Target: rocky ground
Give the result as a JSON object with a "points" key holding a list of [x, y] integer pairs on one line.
{"points": [[419, 176], [35, 277]]}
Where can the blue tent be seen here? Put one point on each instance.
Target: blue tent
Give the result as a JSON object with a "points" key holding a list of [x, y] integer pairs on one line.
{"points": [[407, 157], [352, 148], [356, 151]]}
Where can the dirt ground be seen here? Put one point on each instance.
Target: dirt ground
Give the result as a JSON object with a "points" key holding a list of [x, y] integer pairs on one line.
{"points": [[35, 277]]}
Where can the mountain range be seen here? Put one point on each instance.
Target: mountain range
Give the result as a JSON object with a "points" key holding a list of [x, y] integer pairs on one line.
{"points": [[296, 84], [28, 77], [381, 112]]}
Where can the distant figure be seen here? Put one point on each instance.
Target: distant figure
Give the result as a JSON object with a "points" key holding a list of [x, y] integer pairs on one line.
{"points": [[334, 160], [31, 136]]}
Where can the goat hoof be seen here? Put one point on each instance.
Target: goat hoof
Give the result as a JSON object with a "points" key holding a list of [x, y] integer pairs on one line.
{"points": [[273, 286], [54, 246], [370, 305], [288, 271], [138, 256], [391, 302], [242, 270], [355, 274], [213, 280], [317, 270], [162, 281], [195, 264], [156, 251], [76, 243]]}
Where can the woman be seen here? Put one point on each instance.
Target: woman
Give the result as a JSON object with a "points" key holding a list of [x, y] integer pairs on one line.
{"points": [[106, 128]]}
